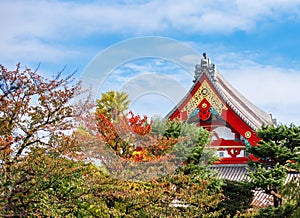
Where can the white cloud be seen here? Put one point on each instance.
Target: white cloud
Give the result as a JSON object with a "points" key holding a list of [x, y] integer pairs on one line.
{"points": [[31, 27], [152, 104], [148, 75], [41, 31], [44, 18]]}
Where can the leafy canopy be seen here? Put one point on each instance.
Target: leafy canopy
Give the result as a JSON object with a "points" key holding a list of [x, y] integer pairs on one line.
{"points": [[278, 153], [146, 153]]}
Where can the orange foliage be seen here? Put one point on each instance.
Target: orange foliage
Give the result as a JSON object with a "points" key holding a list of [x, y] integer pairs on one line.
{"points": [[131, 137]]}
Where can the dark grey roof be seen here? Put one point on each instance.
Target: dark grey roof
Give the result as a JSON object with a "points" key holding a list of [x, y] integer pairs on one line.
{"points": [[247, 111], [239, 173], [233, 172]]}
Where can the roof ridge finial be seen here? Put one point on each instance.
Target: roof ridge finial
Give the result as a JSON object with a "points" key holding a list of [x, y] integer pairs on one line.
{"points": [[205, 66]]}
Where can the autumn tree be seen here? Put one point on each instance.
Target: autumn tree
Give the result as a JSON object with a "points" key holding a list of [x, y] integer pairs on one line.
{"points": [[112, 104], [140, 143], [44, 170], [38, 172], [189, 190], [159, 164]]}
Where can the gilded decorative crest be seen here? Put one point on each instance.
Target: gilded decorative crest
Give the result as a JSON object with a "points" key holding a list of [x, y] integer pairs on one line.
{"points": [[204, 91]]}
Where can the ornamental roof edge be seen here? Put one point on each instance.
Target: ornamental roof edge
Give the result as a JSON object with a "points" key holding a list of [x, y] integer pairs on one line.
{"points": [[216, 85], [253, 116]]}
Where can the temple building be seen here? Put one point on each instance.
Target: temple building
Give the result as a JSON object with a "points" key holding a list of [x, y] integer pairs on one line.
{"points": [[215, 105]]}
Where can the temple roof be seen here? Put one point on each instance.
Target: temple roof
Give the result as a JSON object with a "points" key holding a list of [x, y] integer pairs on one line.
{"points": [[247, 111], [239, 173]]}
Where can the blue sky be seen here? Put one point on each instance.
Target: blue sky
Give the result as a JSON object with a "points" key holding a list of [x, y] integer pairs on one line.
{"points": [[255, 45]]}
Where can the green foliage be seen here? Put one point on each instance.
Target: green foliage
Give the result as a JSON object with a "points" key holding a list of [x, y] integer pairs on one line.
{"points": [[175, 129], [279, 212], [36, 177], [237, 198], [192, 190], [291, 193], [47, 185], [193, 149], [278, 152], [198, 160], [44, 173], [201, 154], [278, 145], [112, 103], [190, 150], [269, 179]]}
